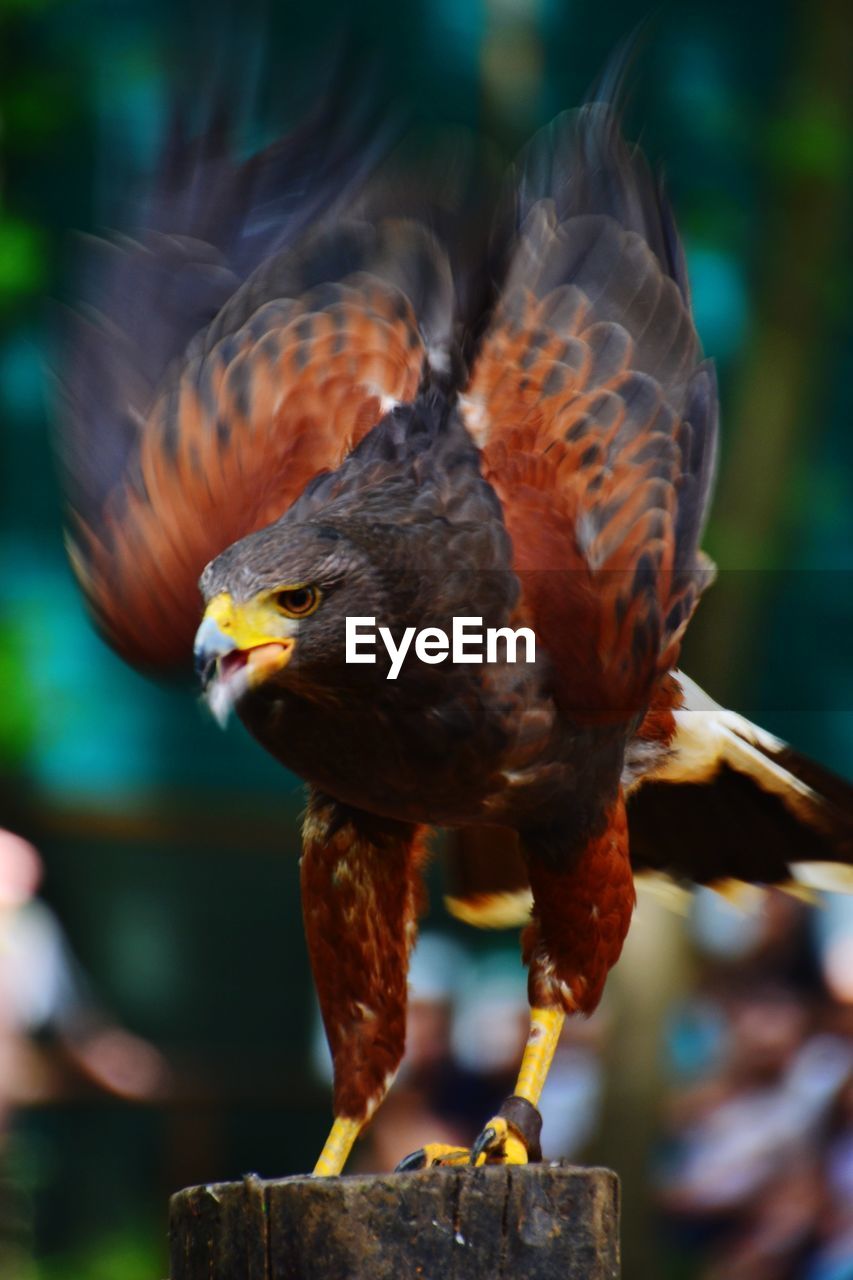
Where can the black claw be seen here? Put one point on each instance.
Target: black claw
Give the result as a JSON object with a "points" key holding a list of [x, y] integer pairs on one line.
{"points": [[485, 1140], [417, 1160]]}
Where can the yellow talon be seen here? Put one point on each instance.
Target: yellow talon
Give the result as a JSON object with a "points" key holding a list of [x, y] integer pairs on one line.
{"points": [[436, 1153], [498, 1144]]}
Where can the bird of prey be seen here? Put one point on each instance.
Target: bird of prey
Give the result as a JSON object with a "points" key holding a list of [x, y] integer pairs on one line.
{"points": [[286, 405]]}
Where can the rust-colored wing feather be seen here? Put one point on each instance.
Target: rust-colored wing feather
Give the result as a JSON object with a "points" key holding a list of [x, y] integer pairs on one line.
{"points": [[171, 457], [596, 418]]}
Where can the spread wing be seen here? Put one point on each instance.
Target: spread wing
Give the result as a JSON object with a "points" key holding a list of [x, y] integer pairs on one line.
{"points": [[728, 800], [244, 340], [720, 802], [597, 417]]}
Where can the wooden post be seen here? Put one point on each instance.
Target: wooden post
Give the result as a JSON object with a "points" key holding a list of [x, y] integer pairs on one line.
{"points": [[536, 1222]]}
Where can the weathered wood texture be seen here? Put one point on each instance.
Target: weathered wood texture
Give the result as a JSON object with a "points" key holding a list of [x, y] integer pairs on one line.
{"points": [[539, 1222]]}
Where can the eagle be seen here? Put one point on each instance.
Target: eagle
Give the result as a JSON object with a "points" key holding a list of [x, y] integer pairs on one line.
{"points": [[297, 393]]}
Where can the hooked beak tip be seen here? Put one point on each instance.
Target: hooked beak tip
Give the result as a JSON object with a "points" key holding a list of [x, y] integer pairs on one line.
{"points": [[205, 669], [211, 644]]}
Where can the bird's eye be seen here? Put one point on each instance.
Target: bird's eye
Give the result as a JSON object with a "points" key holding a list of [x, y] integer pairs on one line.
{"points": [[297, 602]]}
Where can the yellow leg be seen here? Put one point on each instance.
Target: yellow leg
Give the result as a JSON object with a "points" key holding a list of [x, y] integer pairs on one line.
{"points": [[545, 1028], [499, 1142], [497, 1136], [338, 1145]]}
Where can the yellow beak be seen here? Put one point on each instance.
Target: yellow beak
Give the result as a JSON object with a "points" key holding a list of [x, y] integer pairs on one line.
{"points": [[248, 632]]}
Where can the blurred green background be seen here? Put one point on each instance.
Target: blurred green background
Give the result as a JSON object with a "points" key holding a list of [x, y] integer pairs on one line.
{"points": [[170, 848]]}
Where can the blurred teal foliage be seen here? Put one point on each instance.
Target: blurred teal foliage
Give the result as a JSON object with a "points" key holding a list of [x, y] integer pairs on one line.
{"points": [[190, 931]]}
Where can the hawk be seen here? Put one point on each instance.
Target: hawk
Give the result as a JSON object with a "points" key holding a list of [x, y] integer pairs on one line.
{"points": [[289, 403]]}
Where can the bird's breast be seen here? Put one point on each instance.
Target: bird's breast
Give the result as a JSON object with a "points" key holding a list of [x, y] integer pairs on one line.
{"points": [[481, 756]]}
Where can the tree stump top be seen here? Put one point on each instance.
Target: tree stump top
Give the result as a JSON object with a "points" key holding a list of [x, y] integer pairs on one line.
{"points": [[531, 1222]]}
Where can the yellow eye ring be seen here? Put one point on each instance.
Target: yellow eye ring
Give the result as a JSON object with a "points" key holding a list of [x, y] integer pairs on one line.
{"points": [[297, 602]]}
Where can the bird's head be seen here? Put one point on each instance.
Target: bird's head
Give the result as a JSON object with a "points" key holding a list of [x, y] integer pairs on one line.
{"points": [[276, 609]]}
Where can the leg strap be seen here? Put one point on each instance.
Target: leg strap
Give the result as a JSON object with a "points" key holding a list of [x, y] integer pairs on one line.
{"points": [[524, 1120]]}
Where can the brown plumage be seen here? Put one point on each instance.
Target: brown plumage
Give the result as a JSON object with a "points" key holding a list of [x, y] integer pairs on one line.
{"points": [[326, 423], [365, 928], [255, 411]]}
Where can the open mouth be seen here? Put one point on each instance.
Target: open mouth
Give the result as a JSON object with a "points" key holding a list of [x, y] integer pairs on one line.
{"points": [[230, 676], [230, 664]]}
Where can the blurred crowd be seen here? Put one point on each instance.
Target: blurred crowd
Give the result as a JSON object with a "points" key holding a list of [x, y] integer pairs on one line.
{"points": [[755, 1169], [752, 1169], [751, 1166], [56, 1038]]}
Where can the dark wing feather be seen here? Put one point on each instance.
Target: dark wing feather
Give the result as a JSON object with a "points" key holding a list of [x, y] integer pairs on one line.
{"points": [[711, 799], [209, 382], [580, 163], [731, 828], [207, 221], [596, 418], [729, 800]]}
